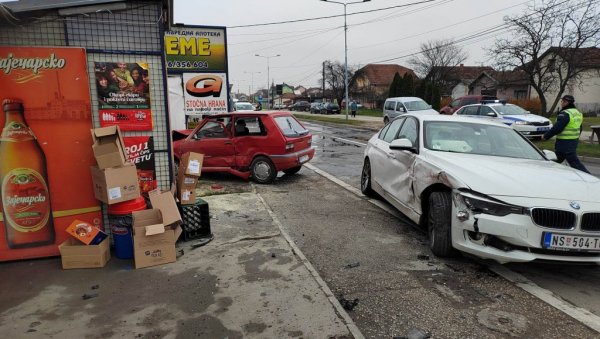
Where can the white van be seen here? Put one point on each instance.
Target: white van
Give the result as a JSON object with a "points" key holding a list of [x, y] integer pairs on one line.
{"points": [[394, 107]]}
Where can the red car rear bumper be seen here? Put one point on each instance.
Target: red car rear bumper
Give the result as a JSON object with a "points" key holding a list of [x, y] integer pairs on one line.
{"points": [[291, 160]]}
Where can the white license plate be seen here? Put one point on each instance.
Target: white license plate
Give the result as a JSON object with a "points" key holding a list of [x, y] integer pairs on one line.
{"points": [[303, 159], [570, 242], [541, 129]]}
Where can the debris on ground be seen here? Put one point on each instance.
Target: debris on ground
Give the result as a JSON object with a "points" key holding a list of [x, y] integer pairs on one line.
{"points": [[415, 333], [89, 296], [203, 241], [348, 305], [180, 253], [273, 255], [353, 264], [95, 287], [423, 257]]}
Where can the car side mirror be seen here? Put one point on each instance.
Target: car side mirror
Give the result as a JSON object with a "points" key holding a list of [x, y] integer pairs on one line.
{"points": [[402, 145], [550, 155], [402, 109], [492, 114]]}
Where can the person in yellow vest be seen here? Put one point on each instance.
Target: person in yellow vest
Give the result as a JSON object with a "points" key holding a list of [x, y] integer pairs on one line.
{"points": [[567, 129]]}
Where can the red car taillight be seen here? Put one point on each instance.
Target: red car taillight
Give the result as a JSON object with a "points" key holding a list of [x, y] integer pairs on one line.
{"points": [[289, 147]]}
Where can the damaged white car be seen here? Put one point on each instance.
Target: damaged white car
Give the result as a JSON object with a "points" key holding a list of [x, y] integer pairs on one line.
{"points": [[482, 188]]}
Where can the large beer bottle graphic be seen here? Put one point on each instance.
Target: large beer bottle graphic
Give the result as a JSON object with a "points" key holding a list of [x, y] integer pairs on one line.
{"points": [[24, 193]]}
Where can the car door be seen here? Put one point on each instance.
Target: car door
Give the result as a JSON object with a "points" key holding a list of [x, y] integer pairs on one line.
{"points": [[381, 152], [397, 175], [214, 140], [250, 140]]}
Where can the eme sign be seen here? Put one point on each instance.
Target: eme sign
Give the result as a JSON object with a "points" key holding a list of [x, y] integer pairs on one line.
{"points": [[196, 49]]}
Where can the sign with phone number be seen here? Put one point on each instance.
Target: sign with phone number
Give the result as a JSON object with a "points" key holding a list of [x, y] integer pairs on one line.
{"points": [[192, 49]]}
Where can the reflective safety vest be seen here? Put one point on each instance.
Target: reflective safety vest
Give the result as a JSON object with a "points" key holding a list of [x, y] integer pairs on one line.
{"points": [[573, 128]]}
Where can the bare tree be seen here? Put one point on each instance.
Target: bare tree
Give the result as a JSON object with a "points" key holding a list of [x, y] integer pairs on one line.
{"points": [[437, 59], [549, 44], [334, 79]]}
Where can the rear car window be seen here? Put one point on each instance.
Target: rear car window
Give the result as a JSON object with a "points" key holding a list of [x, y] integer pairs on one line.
{"points": [[290, 127]]}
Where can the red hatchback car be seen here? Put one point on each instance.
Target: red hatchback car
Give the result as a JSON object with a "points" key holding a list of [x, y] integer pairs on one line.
{"points": [[257, 144]]}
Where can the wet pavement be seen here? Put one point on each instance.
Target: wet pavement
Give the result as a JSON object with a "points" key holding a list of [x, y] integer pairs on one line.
{"points": [[248, 282]]}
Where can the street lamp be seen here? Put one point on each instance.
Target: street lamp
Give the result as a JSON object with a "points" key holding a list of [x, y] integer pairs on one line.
{"points": [[267, 57], [252, 83], [346, 47]]}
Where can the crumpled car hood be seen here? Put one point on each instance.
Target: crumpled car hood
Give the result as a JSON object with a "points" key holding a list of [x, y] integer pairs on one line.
{"points": [[500, 176]]}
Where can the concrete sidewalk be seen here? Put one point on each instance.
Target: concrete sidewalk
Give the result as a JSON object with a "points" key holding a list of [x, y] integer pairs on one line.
{"points": [[249, 282]]}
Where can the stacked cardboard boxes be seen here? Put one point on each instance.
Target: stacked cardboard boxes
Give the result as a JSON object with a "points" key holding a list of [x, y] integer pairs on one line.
{"points": [[156, 230], [115, 179], [190, 168], [87, 248]]}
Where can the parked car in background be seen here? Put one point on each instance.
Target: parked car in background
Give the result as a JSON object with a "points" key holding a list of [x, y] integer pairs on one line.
{"points": [[302, 106], [279, 106], [394, 107], [242, 106], [464, 100], [330, 108], [530, 125], [316, 107], [482, 188], [249, 145]]}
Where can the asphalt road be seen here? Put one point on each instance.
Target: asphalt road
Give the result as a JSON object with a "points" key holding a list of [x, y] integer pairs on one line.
{"points": [[339, 153]]}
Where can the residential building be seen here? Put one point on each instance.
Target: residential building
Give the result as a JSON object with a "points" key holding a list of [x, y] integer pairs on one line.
{"points": [[371, 83]]}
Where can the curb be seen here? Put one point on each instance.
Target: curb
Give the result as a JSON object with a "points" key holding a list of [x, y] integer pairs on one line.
{"points": [[352, 328]]}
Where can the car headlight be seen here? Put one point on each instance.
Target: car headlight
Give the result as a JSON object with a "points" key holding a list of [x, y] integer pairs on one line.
{"points": [[521, 122], [486, 206]]}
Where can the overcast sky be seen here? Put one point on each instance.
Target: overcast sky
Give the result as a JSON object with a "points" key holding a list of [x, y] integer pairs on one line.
{"points": [[385, 36]]}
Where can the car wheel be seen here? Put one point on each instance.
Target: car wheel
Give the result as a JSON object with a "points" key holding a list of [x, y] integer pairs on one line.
{"points": [[292, 170], [439, 224], [308, 109], [365, 180], [262, 170], [386, 120]]}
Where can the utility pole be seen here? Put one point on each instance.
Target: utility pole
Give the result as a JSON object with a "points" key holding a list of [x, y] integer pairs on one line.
{"points": [[268, 77]]}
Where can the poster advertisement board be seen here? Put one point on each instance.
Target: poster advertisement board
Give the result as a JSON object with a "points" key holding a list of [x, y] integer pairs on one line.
{"points": [[45, 149], [196, 49], [141, 152], [205, 93], [124, 95]]}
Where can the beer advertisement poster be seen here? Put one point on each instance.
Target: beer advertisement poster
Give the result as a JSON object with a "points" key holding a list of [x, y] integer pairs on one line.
{"points": [[45, 149], [205, 93], [124, 95], [141, 152], [196, 49]]}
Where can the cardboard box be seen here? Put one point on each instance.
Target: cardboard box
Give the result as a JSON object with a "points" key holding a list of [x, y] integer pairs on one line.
{"points": [[86, 232], [153, 242], [109, 148], [191, 164], [115, 184], [75, 254], [186, 189], [165, 202]]}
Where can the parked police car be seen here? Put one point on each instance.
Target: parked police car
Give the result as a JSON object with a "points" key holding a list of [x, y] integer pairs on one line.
{"points": [[530, 125]]}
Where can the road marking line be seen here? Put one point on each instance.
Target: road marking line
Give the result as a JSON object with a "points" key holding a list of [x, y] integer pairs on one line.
{"points": [[354, 330], [580, 314]]}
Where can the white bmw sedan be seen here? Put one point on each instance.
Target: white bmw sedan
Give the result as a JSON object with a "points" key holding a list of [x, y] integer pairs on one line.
{"points": [[482, 188]]}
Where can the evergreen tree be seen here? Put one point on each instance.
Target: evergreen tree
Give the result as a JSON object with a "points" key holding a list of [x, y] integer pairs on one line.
{"points": [[407, 86], [395, 86]]}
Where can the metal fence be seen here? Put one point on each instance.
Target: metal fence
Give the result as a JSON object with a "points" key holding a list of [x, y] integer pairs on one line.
{"points": [[131, 35]]}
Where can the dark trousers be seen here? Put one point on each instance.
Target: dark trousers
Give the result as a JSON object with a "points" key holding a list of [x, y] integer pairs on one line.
{"points": [[354, 113], [572, 159]]}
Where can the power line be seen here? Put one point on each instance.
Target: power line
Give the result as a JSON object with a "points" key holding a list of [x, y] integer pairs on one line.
{"points": [[331, 16]]}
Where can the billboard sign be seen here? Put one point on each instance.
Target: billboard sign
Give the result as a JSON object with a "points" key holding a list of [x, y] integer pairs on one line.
{"points": [[205, 93], [196, 49]]}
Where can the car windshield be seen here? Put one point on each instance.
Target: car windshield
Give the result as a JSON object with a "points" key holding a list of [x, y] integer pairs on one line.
{"points": [[473, 138], [290, 127], [417, 105], [510, 110], [333, 106], [244, 106]]}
